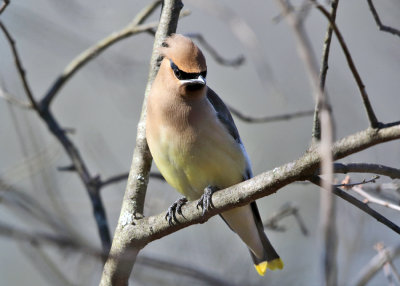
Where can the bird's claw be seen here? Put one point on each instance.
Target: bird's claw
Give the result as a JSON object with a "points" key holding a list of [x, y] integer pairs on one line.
{"points": [[205, 201], [176, 207]]}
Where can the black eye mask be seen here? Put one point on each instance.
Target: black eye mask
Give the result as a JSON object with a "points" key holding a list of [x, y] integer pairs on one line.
{"points": [[181, 75]]}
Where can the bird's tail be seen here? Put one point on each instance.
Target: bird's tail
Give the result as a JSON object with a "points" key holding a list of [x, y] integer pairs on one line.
{"points": [[270, 259], [246, 222]]}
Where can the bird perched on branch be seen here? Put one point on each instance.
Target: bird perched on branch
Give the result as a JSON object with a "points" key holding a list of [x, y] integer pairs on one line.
{"points": [[196, 145]]}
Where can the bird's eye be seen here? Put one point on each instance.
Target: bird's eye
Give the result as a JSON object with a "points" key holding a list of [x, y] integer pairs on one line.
{"points": [[177, 73], [204, 74], [176, 70]]}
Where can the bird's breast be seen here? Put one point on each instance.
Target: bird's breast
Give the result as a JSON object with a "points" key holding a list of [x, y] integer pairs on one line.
{"points": [[196, 153]]}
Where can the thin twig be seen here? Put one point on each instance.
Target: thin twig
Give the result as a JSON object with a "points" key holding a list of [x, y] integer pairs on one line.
{"points": [[286, 210], [371, 199], [381, 26], [316, 132], [359, 204], [350, 185], [266, 119], [374, 123], [388, 268], [4, 6], [367, 168], [214, 54], [13, 100], [183, 270], [247, 37], [134, 27], [40, 238], [90, 182], [20, 68], [327, 200], [374, 265], [124, 177]]}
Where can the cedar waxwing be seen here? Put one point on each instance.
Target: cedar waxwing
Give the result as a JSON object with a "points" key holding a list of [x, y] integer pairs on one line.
{"points": [[196, 145]]}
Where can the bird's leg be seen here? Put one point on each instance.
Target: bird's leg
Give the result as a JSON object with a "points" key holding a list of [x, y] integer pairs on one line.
{"points": [[176, 207], [205, 200]]}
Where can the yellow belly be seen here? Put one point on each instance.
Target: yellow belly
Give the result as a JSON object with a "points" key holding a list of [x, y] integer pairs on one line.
{"points": [[212, 158]]}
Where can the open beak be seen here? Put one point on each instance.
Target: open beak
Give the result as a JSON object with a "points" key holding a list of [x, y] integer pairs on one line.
{"points": [[200, 81]]}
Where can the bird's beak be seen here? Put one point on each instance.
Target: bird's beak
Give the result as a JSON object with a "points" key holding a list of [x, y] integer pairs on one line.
{"points": [[200, 81]]}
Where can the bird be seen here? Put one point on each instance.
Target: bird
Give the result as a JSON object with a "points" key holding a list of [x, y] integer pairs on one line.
{"points": [[196, 146]]}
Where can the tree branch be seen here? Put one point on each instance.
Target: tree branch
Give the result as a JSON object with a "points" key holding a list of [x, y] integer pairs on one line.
{"points": [[136, 232], [374, 123], [327, 200], [381, 26], [367, 168], [214, 54], [316, 132], [124, 176], [287, 209], [361, 205], [118, 267], [371, 199], [266, 119], [90, 182], [375, 264], [4, 6], [20, 68], [40, 238], [13, 100], [180, 269], [134, 27], [350, 185]]}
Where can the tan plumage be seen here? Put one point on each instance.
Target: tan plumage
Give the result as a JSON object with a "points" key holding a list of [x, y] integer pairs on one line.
{"points": [[195, 143]]}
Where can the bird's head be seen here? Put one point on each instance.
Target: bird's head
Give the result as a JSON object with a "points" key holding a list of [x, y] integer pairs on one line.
{"points": [[183, 65]]}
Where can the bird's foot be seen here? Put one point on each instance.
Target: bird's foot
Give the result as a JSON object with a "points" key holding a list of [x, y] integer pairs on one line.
{"points": [[176, 207], [205, 201]]}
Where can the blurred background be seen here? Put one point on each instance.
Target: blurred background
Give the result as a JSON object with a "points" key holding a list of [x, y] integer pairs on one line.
{"points": [[102, 104]]}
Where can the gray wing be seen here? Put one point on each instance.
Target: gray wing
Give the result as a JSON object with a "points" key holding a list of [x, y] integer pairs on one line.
{"points": [[226, 119]]}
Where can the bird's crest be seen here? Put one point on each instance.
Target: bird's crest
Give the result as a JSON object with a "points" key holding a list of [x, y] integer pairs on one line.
{"points": [[184, 53]]}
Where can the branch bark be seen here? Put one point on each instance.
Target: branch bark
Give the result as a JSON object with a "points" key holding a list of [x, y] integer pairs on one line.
{"points": [[137, 232], [119, 266]]}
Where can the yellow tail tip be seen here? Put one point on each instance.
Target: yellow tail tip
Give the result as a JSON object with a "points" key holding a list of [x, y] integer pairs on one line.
{"points": [[273, 264], [261, 268]]}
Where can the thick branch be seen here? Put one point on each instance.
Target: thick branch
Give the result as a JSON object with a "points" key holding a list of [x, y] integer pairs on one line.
{"points": [[118, 267], [138, 232]]}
